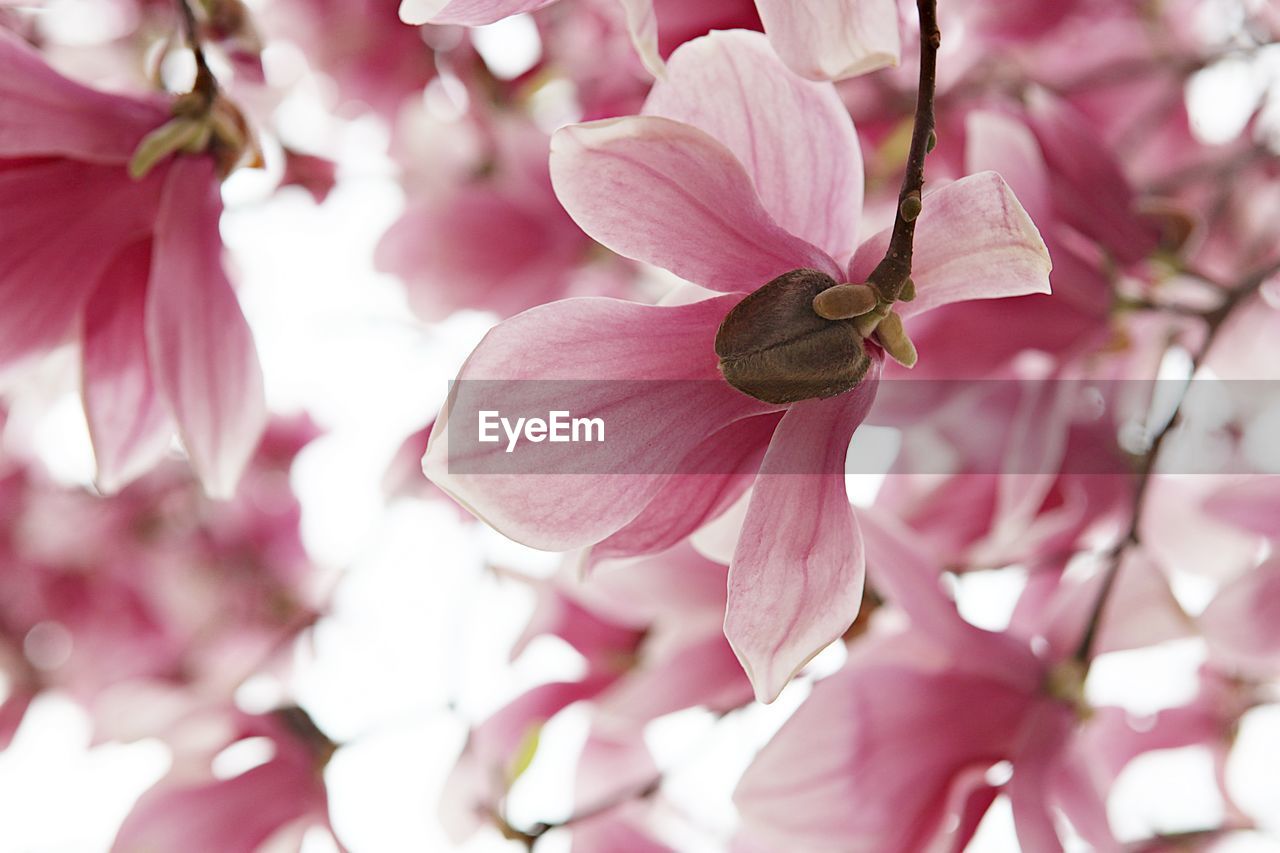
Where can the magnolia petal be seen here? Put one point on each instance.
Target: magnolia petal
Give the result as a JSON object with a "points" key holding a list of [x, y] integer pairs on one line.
{"points": [[1251, 504], [870, 735], [478, 248], [610, 770], [468, 13], [1141, 610], [998, 142], [1090, 190], [973, 241], [793, 136], [1242, 623], [64, 223], [233, 814], [832, 39], [128, 422], [795, 583], [642, 24], [730, 457], [44, 114], [653, 380], [902, 572], [1045, 733], [680, 584], [667, 193], [1082, 796], [202, 352], [698, 670]]}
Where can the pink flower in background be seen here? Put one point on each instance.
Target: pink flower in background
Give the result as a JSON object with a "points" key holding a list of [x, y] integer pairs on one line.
{"points": [[373, 58], [917, 721], [1037, 483], [130, 268], [271, 803], [727, 192], [497, 240], [648, 630], [157, 588], [820, 40]]}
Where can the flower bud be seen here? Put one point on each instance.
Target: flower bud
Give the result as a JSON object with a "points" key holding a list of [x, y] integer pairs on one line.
{"points": [[173, 136], [845, 301], [910, 207], [774, 347], [894, 339]]}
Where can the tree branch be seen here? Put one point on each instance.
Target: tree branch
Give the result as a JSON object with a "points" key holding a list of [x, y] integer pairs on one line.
{"points": [[891, 275], [1215, 320]]}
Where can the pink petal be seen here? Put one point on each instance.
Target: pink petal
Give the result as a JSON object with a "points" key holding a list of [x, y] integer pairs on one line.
{"points": [[479, 248], [997, 142], [236, 815], [1090, 191], [202, 352], [795, 583], [868, 762], [677, 583], [1081, 793], [661, 191], [128, 421], [642, 24], [688, 672], [64, 224], [904, 573], [973, 241], [44, 114], [688, 501], [611, 769], [618, 829], [1242, 623], [468, 13], [1046, 734], [480, 777], [832, 39], [793, 136], [600, 639], [655, 383], [1141, 610], [1252, 504]]}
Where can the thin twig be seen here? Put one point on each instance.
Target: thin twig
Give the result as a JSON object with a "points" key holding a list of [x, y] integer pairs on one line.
{"points": [[1215, 320], [205, 83], [891, 274]]}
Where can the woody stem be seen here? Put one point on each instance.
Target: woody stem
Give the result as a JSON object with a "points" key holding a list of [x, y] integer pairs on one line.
{"points": [[205, 83], [1215, 319], [891, 274]]}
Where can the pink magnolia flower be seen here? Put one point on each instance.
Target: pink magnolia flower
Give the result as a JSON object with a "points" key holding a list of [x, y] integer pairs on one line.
{"points": [[273, 802], [1006, 471], [727, 190], [575, 35], [910, 729], [648, 630], [822, 40], [497, 240], [130, 268], [369, 54], [155, 588]]}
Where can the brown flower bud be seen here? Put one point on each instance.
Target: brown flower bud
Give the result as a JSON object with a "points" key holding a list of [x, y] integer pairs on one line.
{"points": [[894, 339], [774, 347], [910, 207], [845, 301]]}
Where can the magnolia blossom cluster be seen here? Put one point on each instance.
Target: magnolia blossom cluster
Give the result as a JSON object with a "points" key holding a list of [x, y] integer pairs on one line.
{"points": [[683, 220], [150, 609]]}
